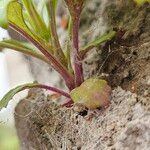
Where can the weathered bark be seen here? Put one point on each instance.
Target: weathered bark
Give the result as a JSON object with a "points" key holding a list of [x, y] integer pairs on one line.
{"points": [[42, 124]]}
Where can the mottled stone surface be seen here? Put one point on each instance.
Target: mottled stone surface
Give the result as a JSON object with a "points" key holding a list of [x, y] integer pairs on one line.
{"points": [[44, 125]]}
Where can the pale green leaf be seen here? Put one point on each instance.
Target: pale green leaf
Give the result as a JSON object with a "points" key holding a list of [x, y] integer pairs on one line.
{"points": [[42, 9], [22, 47], [5, 100], [16, 20], [68, 45], [36, 21], [97, 42], [55, 4], [55, 39]]}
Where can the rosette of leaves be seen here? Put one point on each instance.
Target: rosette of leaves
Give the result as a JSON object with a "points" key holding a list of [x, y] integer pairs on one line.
{"points": [[37, 23]]}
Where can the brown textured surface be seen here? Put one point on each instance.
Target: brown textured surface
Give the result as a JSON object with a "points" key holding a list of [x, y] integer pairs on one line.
{"points": [[45, 125]]}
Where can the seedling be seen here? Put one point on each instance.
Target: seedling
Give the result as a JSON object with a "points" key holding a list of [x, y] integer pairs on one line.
{"points": [[27, 19]]}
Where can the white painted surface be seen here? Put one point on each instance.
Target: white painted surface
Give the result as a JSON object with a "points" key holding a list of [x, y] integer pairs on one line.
{"points": [[4, 81]]}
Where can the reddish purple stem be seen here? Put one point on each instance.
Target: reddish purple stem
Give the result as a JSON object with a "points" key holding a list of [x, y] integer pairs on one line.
{"points": [[77, 59], [68, 103], [53, 89]]}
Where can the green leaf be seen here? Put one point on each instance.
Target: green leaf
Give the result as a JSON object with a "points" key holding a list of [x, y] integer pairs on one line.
{"points": [[5, 100], [3, 13], [97, 42], [35, 20], [43, 11], [68, 45], [92, 93], [55, 2], [55, 39], [16, 21], [22, 47]]}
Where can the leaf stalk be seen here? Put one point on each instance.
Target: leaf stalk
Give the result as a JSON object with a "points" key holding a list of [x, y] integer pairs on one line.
{"points": [[77, 59], [68, 78]]}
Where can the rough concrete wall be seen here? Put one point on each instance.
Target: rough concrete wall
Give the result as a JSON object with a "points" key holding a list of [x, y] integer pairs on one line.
{"points": [[44, 125]]}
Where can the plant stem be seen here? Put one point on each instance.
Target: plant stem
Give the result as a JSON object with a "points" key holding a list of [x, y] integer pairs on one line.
{"points": [[53, 89], [68, 46], [77, 60], [69, 79]]}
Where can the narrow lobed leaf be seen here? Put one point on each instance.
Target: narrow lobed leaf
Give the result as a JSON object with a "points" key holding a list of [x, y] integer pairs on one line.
{"points": [[104, 38], [68, 46], [17, 23], [36, 21], [15, 18], [23, 47], [58, 53], [5, 100]]}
